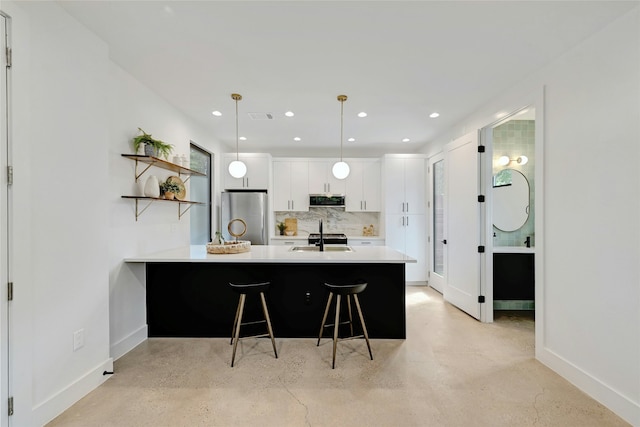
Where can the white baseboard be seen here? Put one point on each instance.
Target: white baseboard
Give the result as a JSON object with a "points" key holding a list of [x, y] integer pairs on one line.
{"points": [[621, 405], [62, 400], [129, 342]]}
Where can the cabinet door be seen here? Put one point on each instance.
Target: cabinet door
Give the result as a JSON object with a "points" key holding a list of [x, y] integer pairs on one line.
{"points": [[354, 197], [415, 194], [394, 185], [416, 247], [257, 177], [299, 180], [281, 186], [231, 183], [336, 186], [371, 187], [317, 177], [395, 232]]}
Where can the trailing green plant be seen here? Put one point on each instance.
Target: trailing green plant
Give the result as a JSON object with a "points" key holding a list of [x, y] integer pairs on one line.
{"points": [[170, 187], [162, 149]]}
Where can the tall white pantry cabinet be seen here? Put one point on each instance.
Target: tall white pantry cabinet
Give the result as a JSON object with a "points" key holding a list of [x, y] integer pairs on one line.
{"points": [[405, 215]]}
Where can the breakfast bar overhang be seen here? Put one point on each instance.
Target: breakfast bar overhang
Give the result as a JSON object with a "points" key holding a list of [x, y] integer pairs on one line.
{"points": [[187, 292]]}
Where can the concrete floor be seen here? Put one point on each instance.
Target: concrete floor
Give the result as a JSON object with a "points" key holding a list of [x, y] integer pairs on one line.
{"points": [[450, 371]]}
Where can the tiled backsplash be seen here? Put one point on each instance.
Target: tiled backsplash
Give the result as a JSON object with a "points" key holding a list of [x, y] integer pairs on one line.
{"points": [[335, 220], [516, 138]]}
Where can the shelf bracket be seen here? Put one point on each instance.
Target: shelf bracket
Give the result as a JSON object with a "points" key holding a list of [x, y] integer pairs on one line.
{"points": [[182, 212], [139, 212], [138, 175]]}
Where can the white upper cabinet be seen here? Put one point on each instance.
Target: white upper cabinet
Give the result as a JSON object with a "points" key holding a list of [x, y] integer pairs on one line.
{"points": [[363, 186], [290, 185], [405, 189], [321, 179], [257, 177]]}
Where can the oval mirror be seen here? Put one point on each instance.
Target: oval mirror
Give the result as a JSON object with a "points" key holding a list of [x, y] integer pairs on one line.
{"points": [[510, 200]]}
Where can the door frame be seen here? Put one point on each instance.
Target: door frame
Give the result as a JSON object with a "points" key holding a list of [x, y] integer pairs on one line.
{"points": [[436, 281], [6, 224]]}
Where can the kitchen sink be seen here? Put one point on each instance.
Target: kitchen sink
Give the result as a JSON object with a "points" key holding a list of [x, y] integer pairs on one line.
{"points": [[317, 249]]}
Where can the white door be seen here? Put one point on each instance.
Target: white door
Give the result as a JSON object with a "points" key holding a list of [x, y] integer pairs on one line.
{"points": [[462, 224], [436, 222]]}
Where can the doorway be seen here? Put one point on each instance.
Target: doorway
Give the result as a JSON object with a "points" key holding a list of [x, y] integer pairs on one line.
{"points": [[200, 188], [512, 144]]}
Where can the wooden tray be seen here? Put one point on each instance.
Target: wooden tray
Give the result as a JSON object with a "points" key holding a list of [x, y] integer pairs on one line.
{"points": [[229, 247]]}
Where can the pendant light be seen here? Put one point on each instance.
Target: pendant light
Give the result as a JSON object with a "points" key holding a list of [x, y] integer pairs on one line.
{"points": [[341, 169], [237, 169]]}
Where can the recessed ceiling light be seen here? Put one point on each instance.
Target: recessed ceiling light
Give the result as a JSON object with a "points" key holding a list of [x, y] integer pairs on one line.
{"points": [[289, 114], [216, 113], [351, 140], [297, 138], [243, 138], [434, 115], [405, 140], [362, 114], [168, 9]]}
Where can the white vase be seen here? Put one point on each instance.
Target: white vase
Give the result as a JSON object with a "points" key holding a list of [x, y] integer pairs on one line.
{"points": [[152, 187]]}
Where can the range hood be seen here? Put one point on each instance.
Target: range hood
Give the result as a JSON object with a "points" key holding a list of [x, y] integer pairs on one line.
{"points": [[326, 200]]}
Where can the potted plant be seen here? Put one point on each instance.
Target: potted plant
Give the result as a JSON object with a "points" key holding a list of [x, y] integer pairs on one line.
{"points": [[170, 189], [282, 227], [152, 146]]}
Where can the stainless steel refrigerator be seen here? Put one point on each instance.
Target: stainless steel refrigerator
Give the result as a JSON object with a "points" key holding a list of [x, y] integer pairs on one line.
{"points": [[251, 207]]}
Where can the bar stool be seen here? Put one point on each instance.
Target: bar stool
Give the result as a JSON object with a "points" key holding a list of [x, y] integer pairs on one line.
{"points": [[347, 290], [244, 290]]}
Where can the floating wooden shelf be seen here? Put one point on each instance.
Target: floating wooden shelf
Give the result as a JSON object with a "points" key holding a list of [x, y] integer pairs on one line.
{"points": [[157, 162], [154, 199], [163, 164]]}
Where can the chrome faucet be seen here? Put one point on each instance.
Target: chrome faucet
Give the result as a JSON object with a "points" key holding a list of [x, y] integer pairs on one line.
{"points": [[321, 242]]}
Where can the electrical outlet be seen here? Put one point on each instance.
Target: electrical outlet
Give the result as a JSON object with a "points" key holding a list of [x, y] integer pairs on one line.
{"points": [[78, 339]]}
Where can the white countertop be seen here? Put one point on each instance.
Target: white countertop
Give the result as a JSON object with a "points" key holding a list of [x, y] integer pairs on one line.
{"points": [[277, 254]]}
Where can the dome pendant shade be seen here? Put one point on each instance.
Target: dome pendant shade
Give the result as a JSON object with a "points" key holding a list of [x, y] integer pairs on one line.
{"points": [[237, 169], [340, 170]]}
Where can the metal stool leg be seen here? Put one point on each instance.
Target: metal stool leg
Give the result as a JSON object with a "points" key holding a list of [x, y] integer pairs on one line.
{"points": [[335, 331], [364, 328], [324, 318], [349, 309], [237, 338], [235, 322], [268, 319]]}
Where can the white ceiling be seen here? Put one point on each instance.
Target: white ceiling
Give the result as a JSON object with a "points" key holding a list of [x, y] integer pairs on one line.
{"points": [[398, 60]]}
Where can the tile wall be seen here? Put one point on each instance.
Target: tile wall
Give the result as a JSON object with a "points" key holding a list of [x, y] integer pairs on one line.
{"points": [[335, 220], [516, 138]]}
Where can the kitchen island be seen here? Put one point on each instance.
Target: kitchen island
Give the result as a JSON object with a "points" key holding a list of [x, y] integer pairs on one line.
{"points": [[188, 295]]}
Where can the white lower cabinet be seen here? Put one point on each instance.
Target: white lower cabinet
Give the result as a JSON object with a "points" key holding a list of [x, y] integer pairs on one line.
{"points": [[365, 242], [295, 241]]}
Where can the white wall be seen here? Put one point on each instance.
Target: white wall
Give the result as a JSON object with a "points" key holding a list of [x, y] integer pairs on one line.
{"points": [[588, 290], [74, 113]]}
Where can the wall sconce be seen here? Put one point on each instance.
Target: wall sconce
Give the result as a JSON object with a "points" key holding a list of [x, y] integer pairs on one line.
{"points": [[505, 160]]}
